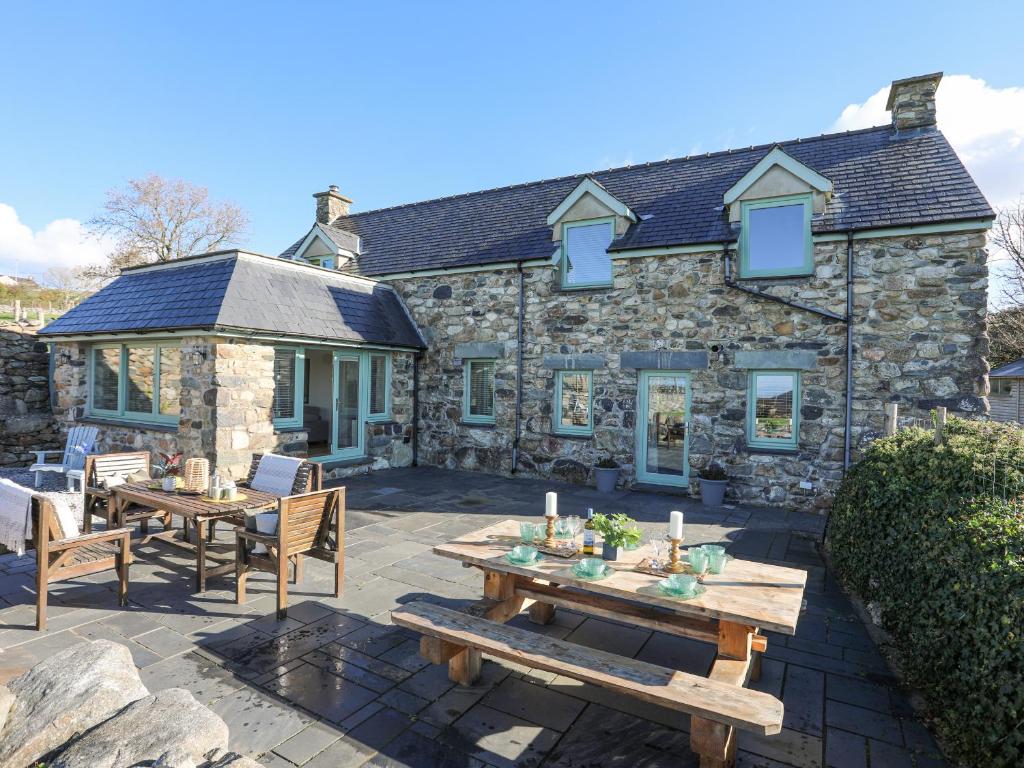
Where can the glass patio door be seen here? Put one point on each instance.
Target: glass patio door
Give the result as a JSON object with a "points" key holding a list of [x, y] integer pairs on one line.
{"points": [[348, 435], [663, 421]]}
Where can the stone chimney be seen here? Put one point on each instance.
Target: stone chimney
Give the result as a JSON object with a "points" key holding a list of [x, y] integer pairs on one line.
{"points": [[330, 205], [912, 101]]}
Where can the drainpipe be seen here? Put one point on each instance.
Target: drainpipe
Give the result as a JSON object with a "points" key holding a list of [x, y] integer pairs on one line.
{"points": [[519, 368], [416, 408], [772, 297], [847, 433]]}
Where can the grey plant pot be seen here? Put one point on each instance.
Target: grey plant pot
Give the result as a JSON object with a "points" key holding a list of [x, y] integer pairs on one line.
{"points": [[712, 492], [606, 479], [609, 552]]}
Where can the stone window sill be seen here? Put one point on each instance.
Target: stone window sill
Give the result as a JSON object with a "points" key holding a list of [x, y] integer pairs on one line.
{"points": [[474, 425], [286, 430], [772, 451], [170, 428], [568, 436]]}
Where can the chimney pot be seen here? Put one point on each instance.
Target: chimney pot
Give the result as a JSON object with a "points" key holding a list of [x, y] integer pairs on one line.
{"points": [[331, 204], [912, 101]]}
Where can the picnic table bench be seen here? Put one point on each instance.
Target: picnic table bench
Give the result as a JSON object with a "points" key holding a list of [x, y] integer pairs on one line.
{"points": [[738, 604]]}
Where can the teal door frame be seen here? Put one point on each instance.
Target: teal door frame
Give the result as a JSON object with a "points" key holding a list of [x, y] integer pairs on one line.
{"points": [[362, 361], [643, 391]]}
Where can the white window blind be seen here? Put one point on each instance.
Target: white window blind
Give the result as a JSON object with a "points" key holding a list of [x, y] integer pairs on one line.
{"points": [[284, 384], [481, 389], [378, 384], [586, 254]]}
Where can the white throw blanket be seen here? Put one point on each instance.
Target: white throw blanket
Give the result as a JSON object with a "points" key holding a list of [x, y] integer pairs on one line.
{"points": [[276, 474], [15, 515], [65, 517]]}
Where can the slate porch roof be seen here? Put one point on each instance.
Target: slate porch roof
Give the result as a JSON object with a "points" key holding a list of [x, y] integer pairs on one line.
{"points": [[1014, 370], [240, 291], [881, 180]]}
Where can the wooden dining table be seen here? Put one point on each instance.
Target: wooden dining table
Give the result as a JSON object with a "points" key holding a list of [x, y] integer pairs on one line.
{"points": [[734, 609], [197, 514]]}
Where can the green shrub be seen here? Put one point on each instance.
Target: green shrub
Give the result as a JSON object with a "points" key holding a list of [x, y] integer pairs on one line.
{"points": [[935, 536]]}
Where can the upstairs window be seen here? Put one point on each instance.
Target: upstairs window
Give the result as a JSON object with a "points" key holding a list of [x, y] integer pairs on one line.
{"points": [[585, 259], [478, 392], [775, 237], [774, 417], [574, 402], [326, 262], [136, 382]]}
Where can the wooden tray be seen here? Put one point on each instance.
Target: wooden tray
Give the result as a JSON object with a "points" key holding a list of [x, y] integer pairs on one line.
{"points": [[644, 566], [566, 552]]}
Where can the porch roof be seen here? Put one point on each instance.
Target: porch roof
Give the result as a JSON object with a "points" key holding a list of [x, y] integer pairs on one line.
{"points": [[238, 291]]}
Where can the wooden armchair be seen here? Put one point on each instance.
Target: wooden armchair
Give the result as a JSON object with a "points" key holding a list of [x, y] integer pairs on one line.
{"points": [[309, 476], [59, 558], [308, 524], [105, 466]]}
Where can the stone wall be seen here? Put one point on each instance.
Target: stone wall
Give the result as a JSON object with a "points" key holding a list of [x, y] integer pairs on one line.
{"points": [[919, 333], [26, 421]]}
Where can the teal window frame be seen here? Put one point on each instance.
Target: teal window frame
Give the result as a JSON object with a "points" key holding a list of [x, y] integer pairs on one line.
{"points": [[556, 423], [298, 391], [384, 415], [327, 262], [121, 413], [788, 444], [467, 366], [746, 206], [564, 262]]}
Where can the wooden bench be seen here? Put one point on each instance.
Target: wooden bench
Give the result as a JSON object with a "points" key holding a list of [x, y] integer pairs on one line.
{"points": [[720, 700], [103, 467]]}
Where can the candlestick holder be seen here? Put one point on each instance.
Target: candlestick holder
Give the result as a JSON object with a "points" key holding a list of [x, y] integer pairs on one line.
{"points": [[674, 566], [549, 541]]}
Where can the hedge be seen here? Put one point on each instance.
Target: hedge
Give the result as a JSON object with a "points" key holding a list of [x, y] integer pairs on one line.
{"points": [[924, 532]]}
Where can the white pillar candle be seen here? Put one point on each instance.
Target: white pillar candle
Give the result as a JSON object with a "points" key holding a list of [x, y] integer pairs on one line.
{"points": [[551, 504], [675, 525]]}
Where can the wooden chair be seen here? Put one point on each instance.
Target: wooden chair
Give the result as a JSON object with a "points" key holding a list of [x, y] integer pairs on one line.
{"points": [[59, 558], [308, 524], [97, 498], [79, 444]]}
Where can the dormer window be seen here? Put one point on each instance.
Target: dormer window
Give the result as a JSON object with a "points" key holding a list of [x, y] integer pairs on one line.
{"points": [[775, 237], [585, 259], [327, 262]]}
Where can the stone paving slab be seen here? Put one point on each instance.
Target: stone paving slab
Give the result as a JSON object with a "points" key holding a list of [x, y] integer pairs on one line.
{"points": [[335, 684]]}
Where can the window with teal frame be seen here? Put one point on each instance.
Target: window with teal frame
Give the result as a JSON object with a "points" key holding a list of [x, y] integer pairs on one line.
{"points": [[773, 417], [136, 382], [289, 386], [775, 237], [379, 401], [478, 392], [586, 262], [327, 262], [574, 403]]}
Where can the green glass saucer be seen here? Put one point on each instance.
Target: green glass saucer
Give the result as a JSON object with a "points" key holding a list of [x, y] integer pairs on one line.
{"points": [[516, 561], [608, 571], [669, 592]]}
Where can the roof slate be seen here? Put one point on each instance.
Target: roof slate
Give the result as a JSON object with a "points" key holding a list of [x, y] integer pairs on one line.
{"points": [[880, 181], [1014, 370], [251, 292]]}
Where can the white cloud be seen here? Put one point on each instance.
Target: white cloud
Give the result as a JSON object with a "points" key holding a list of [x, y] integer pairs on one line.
{"points": [[984, 124], [61, 243]]}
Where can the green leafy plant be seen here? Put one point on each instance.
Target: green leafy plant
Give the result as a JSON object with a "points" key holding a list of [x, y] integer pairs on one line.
{"points": [[607, 463], [934, 536], [713, 471], [618, 529]]}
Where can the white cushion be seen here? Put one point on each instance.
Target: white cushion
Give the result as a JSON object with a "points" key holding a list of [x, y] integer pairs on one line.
{"points": [[276, 474]]}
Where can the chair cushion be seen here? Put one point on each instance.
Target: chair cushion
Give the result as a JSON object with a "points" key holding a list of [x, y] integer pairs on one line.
{"points": [[276, 474]]}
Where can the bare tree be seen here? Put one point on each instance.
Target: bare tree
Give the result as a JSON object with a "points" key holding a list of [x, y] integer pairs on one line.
{"points": [[1006, 336], [1008, 236], [69, 284], [155, 219]]}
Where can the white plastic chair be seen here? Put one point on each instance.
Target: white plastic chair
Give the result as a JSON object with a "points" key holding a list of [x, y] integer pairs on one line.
{"points": [[80, 443]]}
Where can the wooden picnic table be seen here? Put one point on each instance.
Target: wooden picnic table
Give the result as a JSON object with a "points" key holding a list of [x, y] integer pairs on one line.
{"points": [[197, 513], [735, 608]]}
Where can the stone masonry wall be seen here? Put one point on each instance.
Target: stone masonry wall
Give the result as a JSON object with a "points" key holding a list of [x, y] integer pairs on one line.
{"points": [[919, 335], [26, 421]]}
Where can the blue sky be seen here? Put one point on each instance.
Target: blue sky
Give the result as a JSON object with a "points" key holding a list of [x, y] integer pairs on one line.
{"points": [[266, 103]]}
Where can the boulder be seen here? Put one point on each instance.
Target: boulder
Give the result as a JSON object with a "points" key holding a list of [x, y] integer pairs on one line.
{"points": [[66, 695], [6, 701], [232, 760], [175, 757], [148, 729]]}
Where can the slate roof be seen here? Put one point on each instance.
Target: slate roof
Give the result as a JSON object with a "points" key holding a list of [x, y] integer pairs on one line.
{"points": [[1014, 370], [880, 180], [245, 291]]}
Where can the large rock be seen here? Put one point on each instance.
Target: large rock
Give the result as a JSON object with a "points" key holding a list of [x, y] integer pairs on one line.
{"points": [[6, 702], [233, 760], [66, 695], [147, 729]]}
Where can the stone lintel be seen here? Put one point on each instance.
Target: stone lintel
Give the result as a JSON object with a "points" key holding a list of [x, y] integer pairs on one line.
{"points": [[581, 362], [778, 359], [475, 349], [664, 360]]}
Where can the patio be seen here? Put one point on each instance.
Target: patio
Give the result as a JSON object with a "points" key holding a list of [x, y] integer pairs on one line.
{"points": [[336, 685]]}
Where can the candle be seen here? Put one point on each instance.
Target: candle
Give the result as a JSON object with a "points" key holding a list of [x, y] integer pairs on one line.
{"points": [[675, 525], [551, 504]]}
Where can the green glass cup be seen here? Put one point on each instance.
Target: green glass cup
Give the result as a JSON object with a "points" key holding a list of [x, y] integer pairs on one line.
{"points": [[698, 558], [527, 532], [682, 584], [716, 557], [523, 554], [591, 566]]}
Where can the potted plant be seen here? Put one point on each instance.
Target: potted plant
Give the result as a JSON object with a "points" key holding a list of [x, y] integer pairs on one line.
{"points": [[606, 475], [170, 470], [617, 530], [712, 484]]}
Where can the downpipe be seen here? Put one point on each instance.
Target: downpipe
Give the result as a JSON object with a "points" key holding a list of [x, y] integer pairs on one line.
{"points": [[519, 368]]}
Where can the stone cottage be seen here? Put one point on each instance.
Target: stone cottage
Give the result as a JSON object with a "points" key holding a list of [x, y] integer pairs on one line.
{"points": [[754, 307]]}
